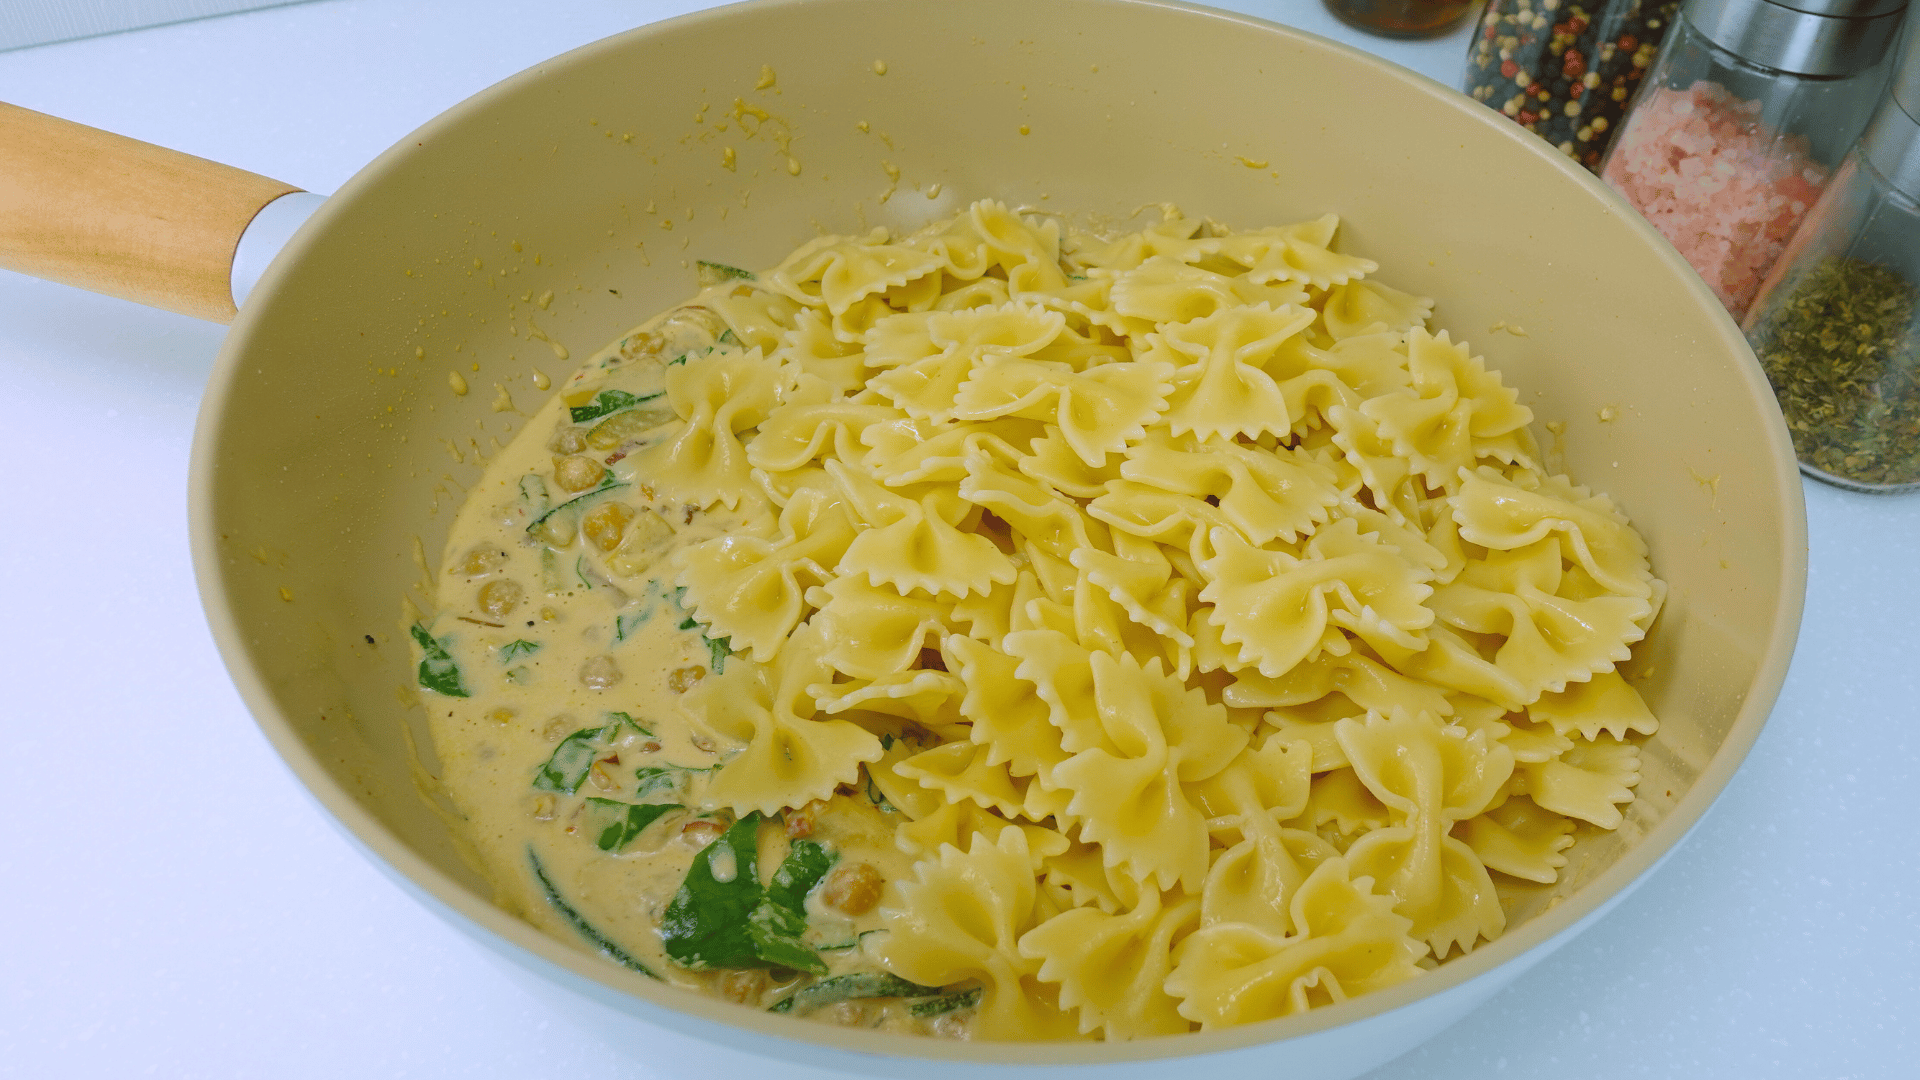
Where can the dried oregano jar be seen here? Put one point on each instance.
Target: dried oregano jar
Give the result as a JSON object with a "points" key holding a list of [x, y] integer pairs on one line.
{"points": [[1749, 107], [1837, 325]]}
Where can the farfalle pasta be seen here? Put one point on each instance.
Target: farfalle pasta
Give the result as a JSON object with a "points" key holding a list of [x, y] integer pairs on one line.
{"points": [[1004, 632]]}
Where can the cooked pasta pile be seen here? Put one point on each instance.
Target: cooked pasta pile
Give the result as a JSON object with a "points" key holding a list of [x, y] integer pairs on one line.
{"points": [[1206, 628]]}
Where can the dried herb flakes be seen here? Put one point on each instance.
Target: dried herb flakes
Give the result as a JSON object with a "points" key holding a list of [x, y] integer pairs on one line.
{"points": [[1842, 350]]}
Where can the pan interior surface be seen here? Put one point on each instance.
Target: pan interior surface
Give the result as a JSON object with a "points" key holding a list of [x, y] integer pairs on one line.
{"points": [[544, 217]]}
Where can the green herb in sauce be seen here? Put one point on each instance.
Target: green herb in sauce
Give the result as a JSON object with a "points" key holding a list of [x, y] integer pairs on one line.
{"points": [[569, 762], [945, 1003], [608, 401], [585, 929], [438, 672], [514, 650], [713, 273], [614, 824], [863, 984], [723, 918]]}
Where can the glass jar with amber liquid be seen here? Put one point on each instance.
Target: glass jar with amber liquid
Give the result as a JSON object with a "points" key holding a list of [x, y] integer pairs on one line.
{"points": [[1401, 18]]}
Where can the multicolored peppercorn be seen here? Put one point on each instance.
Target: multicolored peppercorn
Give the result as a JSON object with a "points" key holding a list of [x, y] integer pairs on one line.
{"points": [[1565, 71]]}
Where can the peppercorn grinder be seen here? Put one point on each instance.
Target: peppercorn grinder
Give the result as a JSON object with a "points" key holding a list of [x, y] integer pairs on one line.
{"points": [[1745, 113], [1837, 324]]}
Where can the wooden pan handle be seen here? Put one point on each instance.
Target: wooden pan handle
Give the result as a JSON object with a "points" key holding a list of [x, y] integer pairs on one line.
{"points": [[122, 217]]}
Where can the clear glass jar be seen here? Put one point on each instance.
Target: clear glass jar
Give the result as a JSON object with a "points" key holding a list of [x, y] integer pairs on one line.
{"points": [[1837, 324], [1566, 69], [1736, 130], [1408, 19]]}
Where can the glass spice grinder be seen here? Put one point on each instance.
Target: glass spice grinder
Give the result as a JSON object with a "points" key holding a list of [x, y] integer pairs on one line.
{"points": [[1736, 129], [1837, 325]]}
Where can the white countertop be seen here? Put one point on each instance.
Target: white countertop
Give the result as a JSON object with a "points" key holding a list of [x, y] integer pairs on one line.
{"points": [[173, 903]]}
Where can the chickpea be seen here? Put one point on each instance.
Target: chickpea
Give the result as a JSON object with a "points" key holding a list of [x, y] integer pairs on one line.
{"points": [[744, 986], [801, 822], [577, 473], [845, 1013], [500, 596], [686, 678], [501, 715], [853, 890], [605, 523], [600, 672], [700, 832], [558, 727], [483, 560], [568, 440]]}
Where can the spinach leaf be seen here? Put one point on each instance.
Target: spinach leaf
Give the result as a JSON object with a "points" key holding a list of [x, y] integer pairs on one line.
{"points": [[573, 504], [585, 929], [608, 401], [615, 719], [717, 652], [726, 336], [705, 926], [438, 672], [657, 778], [533, 492], [860, 984], [713, 273], [514, 650], [735, 923], [616, 823], [945, 1003], [569, 763], [627, 622], [780, 921]]}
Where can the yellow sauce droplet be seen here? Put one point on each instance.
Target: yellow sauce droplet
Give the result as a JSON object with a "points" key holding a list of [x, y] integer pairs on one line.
{"points": [[540, 380], [793, 167], [502, 401], [879, 67], [933, 191], [864, 126], [766, 78], [727, 159], [458, 383], [286, 594], [546, 300], [1251, 163], [1025, 130], [419, 352]]}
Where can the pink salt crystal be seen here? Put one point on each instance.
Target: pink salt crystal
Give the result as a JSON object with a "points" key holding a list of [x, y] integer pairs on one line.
{"points": [[1725, 190]]}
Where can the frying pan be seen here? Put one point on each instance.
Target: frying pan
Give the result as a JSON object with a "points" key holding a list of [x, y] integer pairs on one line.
{"points": [[331, 437]]}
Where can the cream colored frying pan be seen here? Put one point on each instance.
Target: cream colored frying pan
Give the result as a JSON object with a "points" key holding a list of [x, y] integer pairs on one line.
{"points": [[333, 449]]}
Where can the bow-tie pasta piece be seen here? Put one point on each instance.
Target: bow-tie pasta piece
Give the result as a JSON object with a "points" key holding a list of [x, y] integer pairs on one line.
{"points": [[1503, 514], [749, 590], [788, 758], [1454, 405], [1097, 412], [1348, 941], [1267, 495], [716, 397], [961, 918], [1220, 385], [1131, 793], [1604, 703], [1521, 839], [1430, 776], [917, 544], [1276, 606], [871, 630], [836, 272], [1365, 307], [1588, 781], [1110, 967], [1549, 640]]}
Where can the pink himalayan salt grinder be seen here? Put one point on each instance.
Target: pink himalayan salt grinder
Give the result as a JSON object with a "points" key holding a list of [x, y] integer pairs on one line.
{"points": [[1742, 117]]}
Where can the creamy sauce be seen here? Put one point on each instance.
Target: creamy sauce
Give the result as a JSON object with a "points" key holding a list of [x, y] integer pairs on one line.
{"points": [[562, 626]]}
